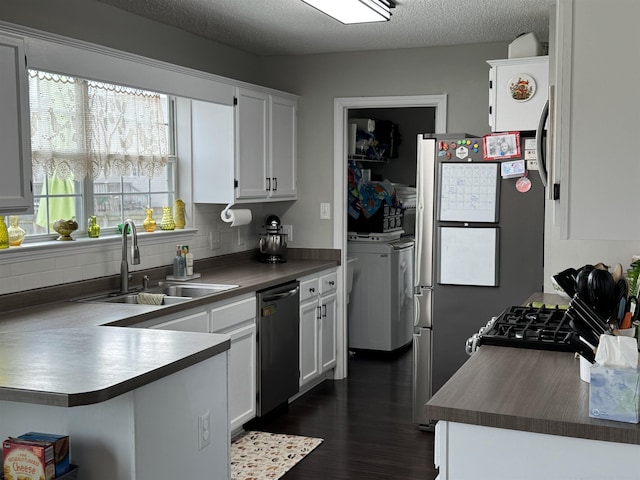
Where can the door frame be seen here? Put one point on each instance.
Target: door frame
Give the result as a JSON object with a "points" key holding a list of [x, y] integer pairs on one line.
{"points": [[341, 106]]}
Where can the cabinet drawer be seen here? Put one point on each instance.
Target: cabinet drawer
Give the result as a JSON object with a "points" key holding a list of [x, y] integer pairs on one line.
{"points": [[232, 314], [198, 322], [309, 288], [328, 283]]}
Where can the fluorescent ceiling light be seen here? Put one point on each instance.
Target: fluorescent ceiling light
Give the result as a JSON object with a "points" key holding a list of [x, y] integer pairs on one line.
{"points": [[355, 11]]}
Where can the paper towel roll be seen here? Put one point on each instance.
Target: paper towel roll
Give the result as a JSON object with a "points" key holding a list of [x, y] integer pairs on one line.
{"points": [[352, 138], [236, 217]]}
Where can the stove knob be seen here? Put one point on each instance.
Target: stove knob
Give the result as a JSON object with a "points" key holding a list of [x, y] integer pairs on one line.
{"points": [[471, 345], [468, 346]]}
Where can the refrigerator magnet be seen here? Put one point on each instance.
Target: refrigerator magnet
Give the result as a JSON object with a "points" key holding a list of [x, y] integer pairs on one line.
{"points": [[512, 168], [500, 146], [523, 184]]}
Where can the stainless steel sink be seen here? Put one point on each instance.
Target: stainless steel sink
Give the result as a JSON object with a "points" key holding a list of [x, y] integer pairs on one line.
{"points": [[132, 299], [173, 293], [190, 289]]}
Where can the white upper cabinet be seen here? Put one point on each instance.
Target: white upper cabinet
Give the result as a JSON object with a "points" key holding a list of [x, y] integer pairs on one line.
{"points": [[597, 119], [246, 157], [212, 152], [252, 137], [518, 90], [283, 148], [265, 147], [15, 144]]}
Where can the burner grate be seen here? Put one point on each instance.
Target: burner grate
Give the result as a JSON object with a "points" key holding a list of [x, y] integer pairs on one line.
{"points": [[527, 327]]}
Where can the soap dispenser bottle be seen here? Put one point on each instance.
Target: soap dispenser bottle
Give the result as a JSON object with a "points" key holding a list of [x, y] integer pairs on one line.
{"points": [[178, 264]]}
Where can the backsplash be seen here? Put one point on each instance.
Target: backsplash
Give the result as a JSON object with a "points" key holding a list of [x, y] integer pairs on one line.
{"points": [[54, 267]]}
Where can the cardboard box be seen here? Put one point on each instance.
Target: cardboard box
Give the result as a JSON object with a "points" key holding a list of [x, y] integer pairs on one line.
{"points": [[614, 394], [60, 447], [24, 460]]}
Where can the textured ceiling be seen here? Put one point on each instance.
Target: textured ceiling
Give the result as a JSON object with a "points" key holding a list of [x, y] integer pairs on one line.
{"points": [[291, 27]]}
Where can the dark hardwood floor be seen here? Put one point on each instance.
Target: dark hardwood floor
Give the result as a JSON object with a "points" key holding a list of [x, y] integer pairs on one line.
{"points": [[365, 421]]}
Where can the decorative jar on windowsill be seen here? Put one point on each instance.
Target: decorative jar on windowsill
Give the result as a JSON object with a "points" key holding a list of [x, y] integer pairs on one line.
{"points": [[167, 222], [65, 228], [16, 234], [4, 233], [149, 223], [93, 229]]}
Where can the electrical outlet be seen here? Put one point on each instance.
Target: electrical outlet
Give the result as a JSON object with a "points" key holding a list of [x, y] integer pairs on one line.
{"points": [[204, 430], [288, 230], [214, 240], [325, 211]]}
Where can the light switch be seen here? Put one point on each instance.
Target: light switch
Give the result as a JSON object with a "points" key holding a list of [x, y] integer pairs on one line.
{"points": [[325, 211]]}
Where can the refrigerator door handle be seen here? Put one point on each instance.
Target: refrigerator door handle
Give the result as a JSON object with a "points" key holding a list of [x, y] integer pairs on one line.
{"points": [[542, 167], [422, 307]]}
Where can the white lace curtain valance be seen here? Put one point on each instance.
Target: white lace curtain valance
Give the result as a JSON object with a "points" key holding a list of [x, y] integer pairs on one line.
{"points": [[82, 128]]}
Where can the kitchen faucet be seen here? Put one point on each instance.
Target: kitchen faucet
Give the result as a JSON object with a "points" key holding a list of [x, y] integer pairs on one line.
{"points": [[135, 254]]}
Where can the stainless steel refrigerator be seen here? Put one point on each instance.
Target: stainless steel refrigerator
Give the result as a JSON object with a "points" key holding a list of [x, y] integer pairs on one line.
{"points": [[469, 264]]}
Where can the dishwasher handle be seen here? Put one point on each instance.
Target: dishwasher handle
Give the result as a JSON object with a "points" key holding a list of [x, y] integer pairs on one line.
{"points": [[279, 296]]}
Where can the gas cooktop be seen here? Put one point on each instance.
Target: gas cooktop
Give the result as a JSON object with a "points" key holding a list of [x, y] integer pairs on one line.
{"points": [[541, 328]]}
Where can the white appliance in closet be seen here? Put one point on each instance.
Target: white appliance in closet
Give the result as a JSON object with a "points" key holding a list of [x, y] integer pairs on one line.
{"points": [[381, 304]]}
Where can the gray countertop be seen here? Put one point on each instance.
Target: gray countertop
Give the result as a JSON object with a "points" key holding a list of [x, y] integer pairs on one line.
{"points": [[248, 274], [529, 390], [51, 353], [80, 366]]}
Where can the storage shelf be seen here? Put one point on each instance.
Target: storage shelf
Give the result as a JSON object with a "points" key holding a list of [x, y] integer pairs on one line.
{"points": [[362, 158]]}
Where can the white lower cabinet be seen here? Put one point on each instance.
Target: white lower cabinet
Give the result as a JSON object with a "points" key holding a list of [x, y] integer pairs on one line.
{"points": [[318, 309], [196, 322], [237, 318], [309, 358], [328, 351]]}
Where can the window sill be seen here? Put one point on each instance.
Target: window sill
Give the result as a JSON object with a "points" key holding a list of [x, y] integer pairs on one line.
{"points": [[53, 248]]}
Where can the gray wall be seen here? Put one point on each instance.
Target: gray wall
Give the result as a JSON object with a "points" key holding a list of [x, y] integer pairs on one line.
{"points": [[103, 24], [459, 71]]}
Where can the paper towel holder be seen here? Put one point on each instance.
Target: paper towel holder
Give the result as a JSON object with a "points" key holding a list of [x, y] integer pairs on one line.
{"points": [[225, 213]]}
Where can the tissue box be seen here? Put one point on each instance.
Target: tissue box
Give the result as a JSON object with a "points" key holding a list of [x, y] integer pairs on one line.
{"points": [[614, 394]]}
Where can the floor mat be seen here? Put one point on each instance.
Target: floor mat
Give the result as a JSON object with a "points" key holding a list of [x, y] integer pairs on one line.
{"points": [[268, 456]]}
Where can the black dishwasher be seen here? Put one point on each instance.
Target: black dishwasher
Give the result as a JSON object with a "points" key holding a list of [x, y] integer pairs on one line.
{"points": [[278, 346]]}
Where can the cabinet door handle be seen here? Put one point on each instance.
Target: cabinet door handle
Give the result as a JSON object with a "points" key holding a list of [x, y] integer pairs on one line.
{"points": [[312, 290], [332, 283], [268, 184], [275, 183], [324, 310], [318, 312]]}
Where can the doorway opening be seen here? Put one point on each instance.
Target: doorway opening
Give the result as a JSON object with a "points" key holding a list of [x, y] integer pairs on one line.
{"points": [[432, 110]]}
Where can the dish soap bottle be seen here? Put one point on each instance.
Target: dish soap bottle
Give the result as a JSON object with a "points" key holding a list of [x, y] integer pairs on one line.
{"points": [[178, 264], [188, 257]]}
